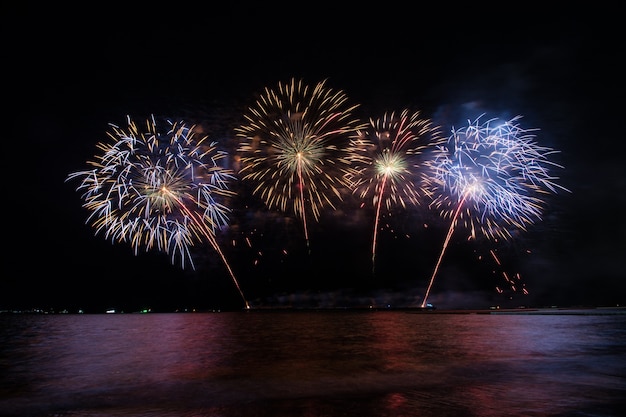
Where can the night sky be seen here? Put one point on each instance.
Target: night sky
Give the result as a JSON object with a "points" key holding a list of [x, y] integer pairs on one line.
{"points": [[72, 72]]}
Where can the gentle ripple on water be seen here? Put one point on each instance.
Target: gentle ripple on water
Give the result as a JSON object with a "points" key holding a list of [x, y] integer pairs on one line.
{"points": [[313, 363]]}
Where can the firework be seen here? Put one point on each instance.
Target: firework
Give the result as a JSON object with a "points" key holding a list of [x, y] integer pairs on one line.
{"points": [[387, 157], [294, 147], [158, 191], [490, 177]]}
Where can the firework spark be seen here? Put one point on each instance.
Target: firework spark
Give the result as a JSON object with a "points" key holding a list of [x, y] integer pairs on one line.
{"points": [[156, 190], [490, 178], [294, 147], [387, 157]]}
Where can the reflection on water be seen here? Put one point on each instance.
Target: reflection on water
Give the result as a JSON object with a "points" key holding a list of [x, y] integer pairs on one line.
{"points": [[343, 363]]}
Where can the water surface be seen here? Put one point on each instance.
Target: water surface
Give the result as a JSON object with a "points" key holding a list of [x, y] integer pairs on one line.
{"points": [[312, 363]]}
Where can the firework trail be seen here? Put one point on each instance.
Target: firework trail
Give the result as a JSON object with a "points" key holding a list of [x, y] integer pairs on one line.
{"points": [[387, 156], [157, 190], [490, 178], [512, 281], [294, 147]]}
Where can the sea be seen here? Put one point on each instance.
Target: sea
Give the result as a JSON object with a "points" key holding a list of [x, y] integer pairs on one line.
{"points": [[311, 363]]}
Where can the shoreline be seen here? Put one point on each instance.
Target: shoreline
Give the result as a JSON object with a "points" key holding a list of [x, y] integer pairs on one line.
{"points": [[605, 310]]}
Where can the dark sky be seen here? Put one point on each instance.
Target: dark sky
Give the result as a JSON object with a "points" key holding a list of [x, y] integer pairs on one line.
{"points": [[72, 72]]}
